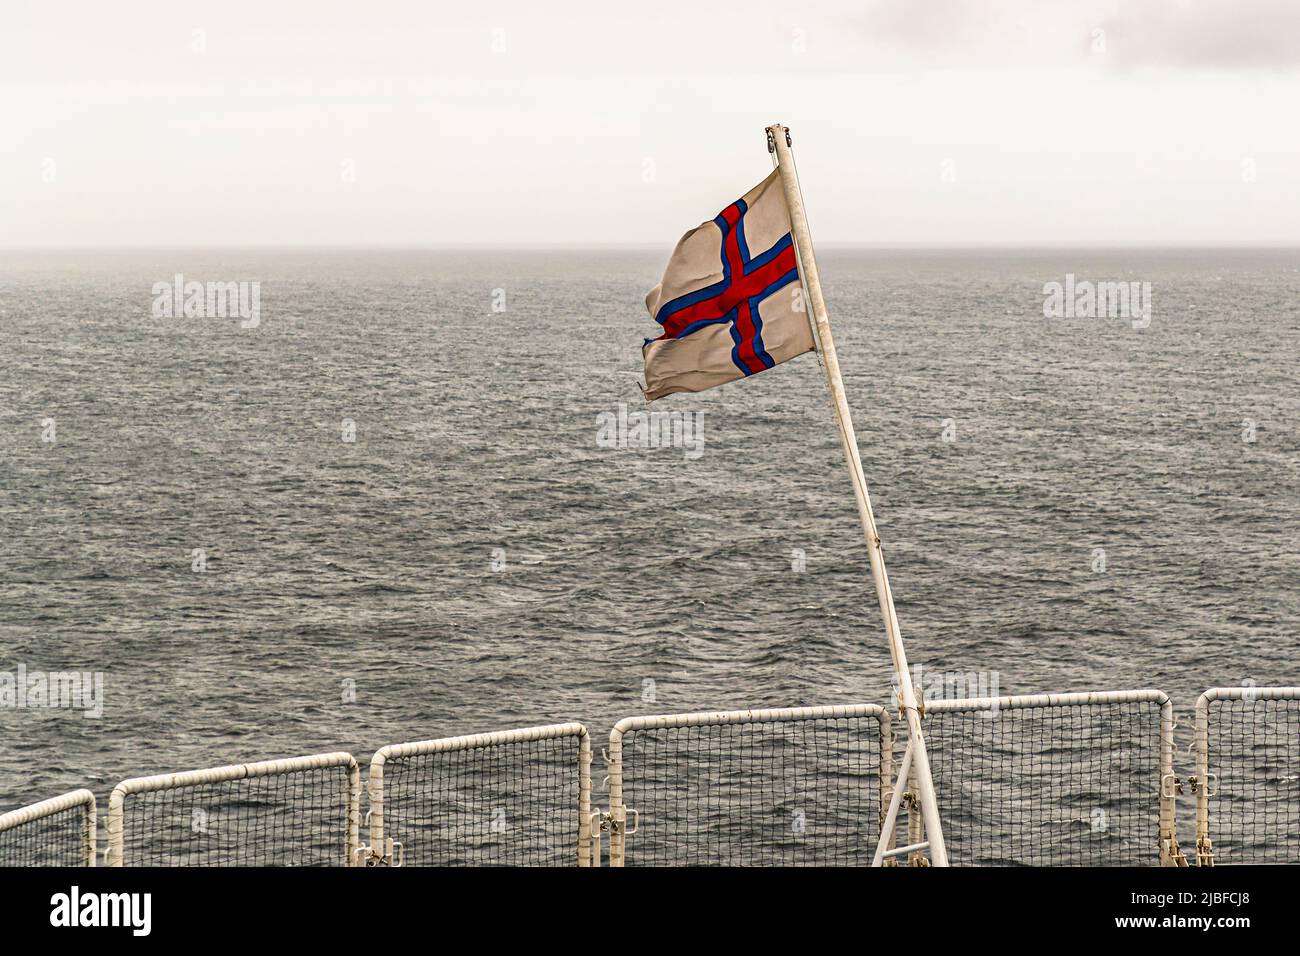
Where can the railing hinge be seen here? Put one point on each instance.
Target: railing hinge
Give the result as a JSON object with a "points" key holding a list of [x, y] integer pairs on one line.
{"points": [[617, 825], [394, 854], [1174, 789]]}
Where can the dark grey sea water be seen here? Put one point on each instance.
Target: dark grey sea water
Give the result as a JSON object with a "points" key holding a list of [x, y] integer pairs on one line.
{"points": [[370, 564]]}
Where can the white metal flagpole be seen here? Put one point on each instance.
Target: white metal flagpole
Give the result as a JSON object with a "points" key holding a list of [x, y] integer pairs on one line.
{"points": [[778, 139]]}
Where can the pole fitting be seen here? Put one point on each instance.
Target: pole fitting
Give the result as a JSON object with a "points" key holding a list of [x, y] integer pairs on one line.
{"points": [[771, 142]]}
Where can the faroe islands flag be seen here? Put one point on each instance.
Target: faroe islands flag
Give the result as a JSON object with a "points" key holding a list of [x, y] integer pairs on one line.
{"points": [[730, 302]]}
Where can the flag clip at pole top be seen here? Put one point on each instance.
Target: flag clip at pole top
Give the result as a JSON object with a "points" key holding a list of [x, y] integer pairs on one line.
{"points": [[771, 140]]}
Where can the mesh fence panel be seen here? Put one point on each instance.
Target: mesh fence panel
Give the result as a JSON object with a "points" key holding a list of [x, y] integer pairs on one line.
{"points": [[1048, 785], [1254, 748], [754, 793], [511, 802], [60, 837], [297, 817]]}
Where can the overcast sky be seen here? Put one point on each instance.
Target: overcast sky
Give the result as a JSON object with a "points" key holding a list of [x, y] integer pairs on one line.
{"points": [[161, 123]]}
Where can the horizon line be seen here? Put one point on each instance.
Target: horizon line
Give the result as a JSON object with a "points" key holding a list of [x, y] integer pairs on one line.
{"points": [[649, 244]]}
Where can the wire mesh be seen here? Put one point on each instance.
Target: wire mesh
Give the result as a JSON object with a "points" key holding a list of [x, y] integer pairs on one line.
{"points": [[1048, 785], [1254, 749], [57, 838], [513, 802], [291, 818], [751, 793]]}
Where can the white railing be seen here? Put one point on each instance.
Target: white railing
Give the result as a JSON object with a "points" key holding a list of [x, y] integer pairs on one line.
{"points": [[723, 787], [1255, 783], [25, 827], [349, 812], [544, 808], [1042, 792], [615, 820]]}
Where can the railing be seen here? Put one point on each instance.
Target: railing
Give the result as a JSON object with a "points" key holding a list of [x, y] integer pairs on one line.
{"points": [[801, 785], [55, 832], [1075, 779], [514, 797], [1055, 779], [1247, 751], [303, 811]]}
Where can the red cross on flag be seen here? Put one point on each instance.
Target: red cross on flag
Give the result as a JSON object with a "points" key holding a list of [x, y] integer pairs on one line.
{"points": [[730, 302]]}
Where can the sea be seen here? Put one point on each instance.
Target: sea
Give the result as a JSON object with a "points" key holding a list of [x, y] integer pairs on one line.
{"points": [[389, 508]]}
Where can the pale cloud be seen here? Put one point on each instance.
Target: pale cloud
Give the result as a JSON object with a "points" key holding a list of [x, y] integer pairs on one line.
{"points": [[1015, 34], [512, 122], [1252, 35]]}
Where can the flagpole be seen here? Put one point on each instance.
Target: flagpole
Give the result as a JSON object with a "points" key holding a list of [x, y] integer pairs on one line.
{"points": [[777, 137]]}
